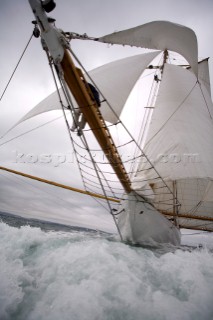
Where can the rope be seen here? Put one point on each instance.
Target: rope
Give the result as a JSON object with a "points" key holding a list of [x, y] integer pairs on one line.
{"points": [[83, 139], [69, 101], [22, 134], [54, 196], [85, 144], [16, 67], [172, 114]]}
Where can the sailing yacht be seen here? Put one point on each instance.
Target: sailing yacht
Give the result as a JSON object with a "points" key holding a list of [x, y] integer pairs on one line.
{"points": [[166, 181]]}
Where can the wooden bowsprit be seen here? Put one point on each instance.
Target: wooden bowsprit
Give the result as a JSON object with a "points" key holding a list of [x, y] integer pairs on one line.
{"points": [[90, 111]]}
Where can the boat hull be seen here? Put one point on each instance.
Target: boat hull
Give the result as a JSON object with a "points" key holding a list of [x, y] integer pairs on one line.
{"points": [[140, 223]]}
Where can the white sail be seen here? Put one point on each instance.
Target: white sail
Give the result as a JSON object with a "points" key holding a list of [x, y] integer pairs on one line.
{"points": [[177, 163], [115, 80], [161, 35], [181, 127], [179, 144], [48, 104], [208, 196]]}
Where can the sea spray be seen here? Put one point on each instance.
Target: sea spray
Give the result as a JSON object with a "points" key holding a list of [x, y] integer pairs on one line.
{"points": [[87, 276]]}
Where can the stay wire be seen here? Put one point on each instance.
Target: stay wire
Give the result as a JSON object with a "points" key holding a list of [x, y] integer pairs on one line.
{"points": [[16, 66], [38, 127], [22, 181], [68, 99], [95, 165], [179, 106], [121, 122]]}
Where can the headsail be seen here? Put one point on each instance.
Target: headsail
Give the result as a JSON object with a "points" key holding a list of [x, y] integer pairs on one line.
{"points": [[109, 79], [117, 79], [161, 35]]}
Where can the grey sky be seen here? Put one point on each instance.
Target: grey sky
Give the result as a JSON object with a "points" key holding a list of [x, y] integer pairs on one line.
{"points": [[33, 82]]}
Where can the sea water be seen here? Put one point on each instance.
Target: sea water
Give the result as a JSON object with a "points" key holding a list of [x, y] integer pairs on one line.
{"points": [[80, 275]]}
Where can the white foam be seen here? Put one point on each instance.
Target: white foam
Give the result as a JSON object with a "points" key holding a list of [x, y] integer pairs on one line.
{"points": [[80, 276]]}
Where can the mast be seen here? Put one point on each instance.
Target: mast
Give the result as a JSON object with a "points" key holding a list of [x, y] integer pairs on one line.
{"points": [[73, 76]]}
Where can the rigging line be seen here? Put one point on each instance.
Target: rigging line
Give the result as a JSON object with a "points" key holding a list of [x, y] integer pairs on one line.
{"points": [[150, 102], [100, 162], [145, 122], [198, 205], [108, 126], [100, 203], [101, 172], [97, 170], [92, 185], [113, 111], [103, 179], [69, 101], [22, 181], [97, 185], [16, 66], [68, 98], [78, 61], [101, 184], [107, 182], [106, 172], [100, 150], [61, 79], [123, 127], [192, 234], [204, 99], [22, 134], [195, 208], [172, 114]]}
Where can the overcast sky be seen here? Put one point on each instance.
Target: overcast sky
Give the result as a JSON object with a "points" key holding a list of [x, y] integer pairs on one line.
{"points": [[33, 82]]}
